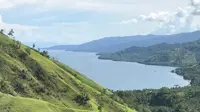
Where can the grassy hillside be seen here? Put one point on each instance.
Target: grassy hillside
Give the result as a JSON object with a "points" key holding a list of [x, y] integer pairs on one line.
{"points": [[32, 82]]}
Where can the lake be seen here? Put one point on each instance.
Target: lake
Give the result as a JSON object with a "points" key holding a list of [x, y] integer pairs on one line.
{"points": [[120, 75]]}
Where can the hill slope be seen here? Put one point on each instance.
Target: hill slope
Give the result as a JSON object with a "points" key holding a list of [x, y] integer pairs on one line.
{"points": [[113, 44], [177, 99], [159, 54], [185, 55], [32, 82]]}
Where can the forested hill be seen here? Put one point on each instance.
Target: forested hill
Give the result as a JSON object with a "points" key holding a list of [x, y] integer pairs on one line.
{"points": [[186, 56], [32, 82], [161, 54]]}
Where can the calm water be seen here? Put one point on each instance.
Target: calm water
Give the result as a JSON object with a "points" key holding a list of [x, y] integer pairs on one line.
{"points": [[120, 75]]}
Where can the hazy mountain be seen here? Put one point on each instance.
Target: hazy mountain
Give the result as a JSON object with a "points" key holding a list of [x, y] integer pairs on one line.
{"points": [[113, 44]]}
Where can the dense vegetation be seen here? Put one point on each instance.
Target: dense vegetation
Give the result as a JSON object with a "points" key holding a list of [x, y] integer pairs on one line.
{"points": [[186, 56], [177, 99], [32, 82], [160, 54]]}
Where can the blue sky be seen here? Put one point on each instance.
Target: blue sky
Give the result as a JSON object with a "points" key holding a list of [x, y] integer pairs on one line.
{"points": [[53, 22]]}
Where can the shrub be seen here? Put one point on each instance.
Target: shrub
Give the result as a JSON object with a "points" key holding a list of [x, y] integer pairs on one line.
{"points": [[23, 55], [45, 53], [82, 99]]}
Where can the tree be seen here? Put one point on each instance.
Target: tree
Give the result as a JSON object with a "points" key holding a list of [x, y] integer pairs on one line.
{"points": [[82, 99], [33, 46], [2, 31], [11, 32]]}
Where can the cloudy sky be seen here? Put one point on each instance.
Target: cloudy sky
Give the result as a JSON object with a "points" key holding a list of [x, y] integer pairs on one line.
{"points": [[53, 22]]}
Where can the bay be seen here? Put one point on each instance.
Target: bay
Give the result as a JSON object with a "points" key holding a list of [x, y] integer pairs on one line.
{"points": [[119, 75]]}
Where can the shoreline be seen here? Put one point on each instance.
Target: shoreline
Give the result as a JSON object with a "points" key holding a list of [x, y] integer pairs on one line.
{"points": [[172, 71], [184, 84]]}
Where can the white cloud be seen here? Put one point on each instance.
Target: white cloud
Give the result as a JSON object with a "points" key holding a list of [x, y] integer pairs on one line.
{"points": [[78, 32], [171, 22], [129, 21], [195, 3], [162, 16]]}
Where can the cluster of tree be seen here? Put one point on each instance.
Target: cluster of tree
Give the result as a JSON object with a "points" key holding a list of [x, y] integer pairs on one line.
{"points": [[18, 44], [186, 56], [10, 33], [163, 100], [161, 54], [43, 53]]}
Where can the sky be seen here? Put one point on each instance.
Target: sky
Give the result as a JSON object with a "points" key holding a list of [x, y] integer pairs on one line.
{"points": [[61, 22]]}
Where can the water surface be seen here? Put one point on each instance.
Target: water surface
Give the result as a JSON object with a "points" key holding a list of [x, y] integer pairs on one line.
{"points": [[120, 75]]}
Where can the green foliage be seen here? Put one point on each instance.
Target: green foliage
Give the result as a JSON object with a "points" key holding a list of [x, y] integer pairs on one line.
{"points": [[11, 32], [45, 53], [2, 31], [161, 54], [23, 55], [82, 99], [186, 56], [33, 46], [190, 73], [163, 100], [31, 82]]}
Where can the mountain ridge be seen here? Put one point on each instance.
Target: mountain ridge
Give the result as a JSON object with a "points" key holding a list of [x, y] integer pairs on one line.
{"points": [[113, 44]]}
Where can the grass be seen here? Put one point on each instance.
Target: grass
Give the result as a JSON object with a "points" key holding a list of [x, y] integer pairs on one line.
{"points": [[34, 83], [9, 103]]}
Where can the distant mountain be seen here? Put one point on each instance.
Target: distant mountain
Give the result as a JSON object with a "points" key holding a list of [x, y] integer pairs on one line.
{"points": [[103, 45], [113, 44]]}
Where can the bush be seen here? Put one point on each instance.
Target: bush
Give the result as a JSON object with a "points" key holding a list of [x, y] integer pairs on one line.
{"points": [[45, 53], [23, 55], [82, 99]]}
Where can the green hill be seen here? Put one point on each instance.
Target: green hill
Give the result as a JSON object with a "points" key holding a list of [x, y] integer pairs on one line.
{"points": [[185, 56], [160, 54], [32, 82]]}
